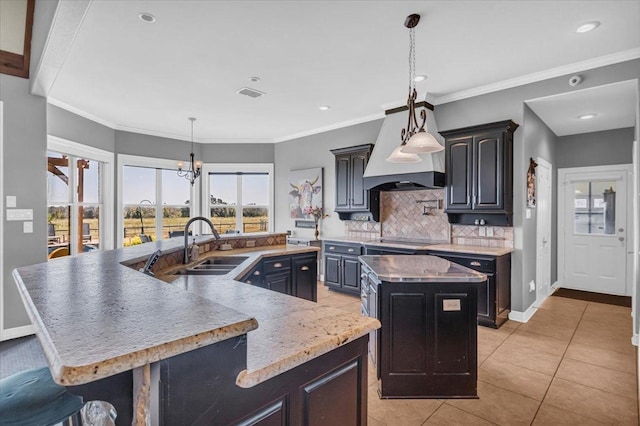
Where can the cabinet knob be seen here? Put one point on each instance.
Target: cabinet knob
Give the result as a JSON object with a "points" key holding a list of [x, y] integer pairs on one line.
{"points": [[475, 263], [256, 273], [277, 265], [304, 268]]}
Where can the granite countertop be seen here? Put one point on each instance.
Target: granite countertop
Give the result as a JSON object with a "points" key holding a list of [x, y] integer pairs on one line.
{"points": [[420, 268], [423, 245], [96, 317]]}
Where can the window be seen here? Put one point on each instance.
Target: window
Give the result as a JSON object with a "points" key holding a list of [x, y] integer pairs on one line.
{"points": [[78, 220], [594, 207], [239, 197], [155, 202]]}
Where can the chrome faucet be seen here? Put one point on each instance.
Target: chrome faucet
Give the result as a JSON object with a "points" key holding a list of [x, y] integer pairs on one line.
{"points": [[186, 234]]}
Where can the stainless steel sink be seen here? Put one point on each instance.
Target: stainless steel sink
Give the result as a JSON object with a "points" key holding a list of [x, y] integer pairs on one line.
{"points": [[224, 260], [221, 265]]}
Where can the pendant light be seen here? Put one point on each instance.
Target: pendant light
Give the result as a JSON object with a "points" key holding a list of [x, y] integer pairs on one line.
{"points": [[194, 166], [415, 140]]}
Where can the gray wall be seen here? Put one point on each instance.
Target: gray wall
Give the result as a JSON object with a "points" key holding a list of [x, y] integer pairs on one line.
{"points": [[67, 125], [507, 104], [544, 143], [238, 153], [24, 157], [24, 146], [309, 152], [596, 149]]}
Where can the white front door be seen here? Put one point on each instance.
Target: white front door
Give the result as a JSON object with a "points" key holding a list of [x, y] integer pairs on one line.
{"points": [[543, 233], [592, 228]]}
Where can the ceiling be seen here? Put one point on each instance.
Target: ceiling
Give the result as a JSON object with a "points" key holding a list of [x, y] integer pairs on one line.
{"points": [[103, 62], [614, 106]]}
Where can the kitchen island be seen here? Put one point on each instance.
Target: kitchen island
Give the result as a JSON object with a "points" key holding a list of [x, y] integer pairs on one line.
{"points": [[197, 349], [427, 345]]}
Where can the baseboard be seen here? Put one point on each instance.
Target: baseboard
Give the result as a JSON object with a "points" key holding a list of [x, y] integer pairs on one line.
{"points": [[14, 333], [522, 316], [634, 339]]}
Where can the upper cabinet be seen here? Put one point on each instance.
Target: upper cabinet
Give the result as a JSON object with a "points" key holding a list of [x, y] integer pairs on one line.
{"points": [[351, 197], [479, 174]]}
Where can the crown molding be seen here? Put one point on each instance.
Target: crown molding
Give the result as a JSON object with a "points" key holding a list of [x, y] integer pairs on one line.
{"points": [[601, 61], [336, 126]]}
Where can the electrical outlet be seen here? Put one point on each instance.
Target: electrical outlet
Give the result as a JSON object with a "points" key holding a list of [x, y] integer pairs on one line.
{"points": [[532, 286], [482, 231], [250, 243], [489, 231]]}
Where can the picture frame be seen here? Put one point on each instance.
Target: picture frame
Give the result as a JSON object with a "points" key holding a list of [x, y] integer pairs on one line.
{"points": [[305, 188], [531, 184]]}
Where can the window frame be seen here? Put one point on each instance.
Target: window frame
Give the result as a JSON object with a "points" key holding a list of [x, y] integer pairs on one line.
{"points": [[154, 163], [231, 168], [79, 150]]}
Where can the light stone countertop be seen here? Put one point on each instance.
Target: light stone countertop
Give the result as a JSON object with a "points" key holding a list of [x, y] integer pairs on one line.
{"points": [[435, 246], [96, 317], [420, 269]]}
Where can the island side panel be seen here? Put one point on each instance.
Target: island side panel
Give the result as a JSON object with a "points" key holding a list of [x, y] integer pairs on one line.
{"points": [[428, 340]]}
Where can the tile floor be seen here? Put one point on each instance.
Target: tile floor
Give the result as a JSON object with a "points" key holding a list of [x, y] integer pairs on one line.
{"points": [[572, 364]]}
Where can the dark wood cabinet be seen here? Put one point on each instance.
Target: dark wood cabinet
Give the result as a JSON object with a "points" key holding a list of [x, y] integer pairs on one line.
{"points": [[479, 174], [328, 390], [427, 346], [295, 275], [369, 300], [342, 267], [494, 295], [304, 276], [351, 196]]}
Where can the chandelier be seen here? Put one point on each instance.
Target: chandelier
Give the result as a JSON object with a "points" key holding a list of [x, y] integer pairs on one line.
{"points": [[415, 140], [194, 166]]}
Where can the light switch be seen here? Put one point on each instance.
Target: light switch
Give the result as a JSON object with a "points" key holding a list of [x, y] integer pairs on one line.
{"points": [[528, 214], [27, 227], [11, 201], [19, 214]]}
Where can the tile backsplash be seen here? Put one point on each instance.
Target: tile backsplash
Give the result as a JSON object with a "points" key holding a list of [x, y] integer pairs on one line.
{"points": [[402, 215]]}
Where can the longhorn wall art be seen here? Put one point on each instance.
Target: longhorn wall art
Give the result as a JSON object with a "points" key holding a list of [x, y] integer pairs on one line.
{"points": [[305, 192]]}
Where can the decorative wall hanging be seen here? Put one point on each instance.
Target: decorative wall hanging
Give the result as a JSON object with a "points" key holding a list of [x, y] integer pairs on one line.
{"points": [[305, 193], [531, 184]]}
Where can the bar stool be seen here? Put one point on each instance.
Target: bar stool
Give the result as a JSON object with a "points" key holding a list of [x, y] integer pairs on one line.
{"points": [[33, 398]]}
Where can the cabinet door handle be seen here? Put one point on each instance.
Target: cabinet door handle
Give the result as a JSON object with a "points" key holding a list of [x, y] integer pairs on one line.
{"points": [[277, 265], [350, 250], [256, 273], [475, 263], [304, 268]]}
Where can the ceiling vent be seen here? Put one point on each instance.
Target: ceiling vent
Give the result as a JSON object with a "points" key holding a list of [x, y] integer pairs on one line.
{"points": [[252, 93]]}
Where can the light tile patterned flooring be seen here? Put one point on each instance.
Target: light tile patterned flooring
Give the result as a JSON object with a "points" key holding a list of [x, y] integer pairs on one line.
{"points": [[572, 364]]}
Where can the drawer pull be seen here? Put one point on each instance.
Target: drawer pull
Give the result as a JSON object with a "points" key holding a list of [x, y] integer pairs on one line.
{"points": [[248, 281], [332, 248], [277, 265], [475, 263], [256, 273], [350, 250], [304, 268]]}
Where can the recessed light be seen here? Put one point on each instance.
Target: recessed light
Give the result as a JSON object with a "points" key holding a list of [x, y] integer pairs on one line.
{"points": [[586, 116], [147, 17], [324, 108], [254, 79], [419, 78], [589, 26]]}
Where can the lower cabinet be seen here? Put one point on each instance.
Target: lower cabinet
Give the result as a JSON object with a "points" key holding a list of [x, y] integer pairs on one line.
{"points": [[294, 275], [342, 267], [328, 390], [494, 296], [369, 299]]}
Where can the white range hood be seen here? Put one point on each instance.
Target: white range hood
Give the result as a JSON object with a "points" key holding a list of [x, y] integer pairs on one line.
{"points": [[384, 175]]}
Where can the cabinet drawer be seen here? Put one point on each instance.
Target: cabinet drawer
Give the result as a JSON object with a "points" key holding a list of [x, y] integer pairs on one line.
{"points": [[475, 263], [355, 250], [276, 265]]}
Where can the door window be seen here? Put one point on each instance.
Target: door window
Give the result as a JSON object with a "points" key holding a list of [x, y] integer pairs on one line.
{"points": [[594, 207]]}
